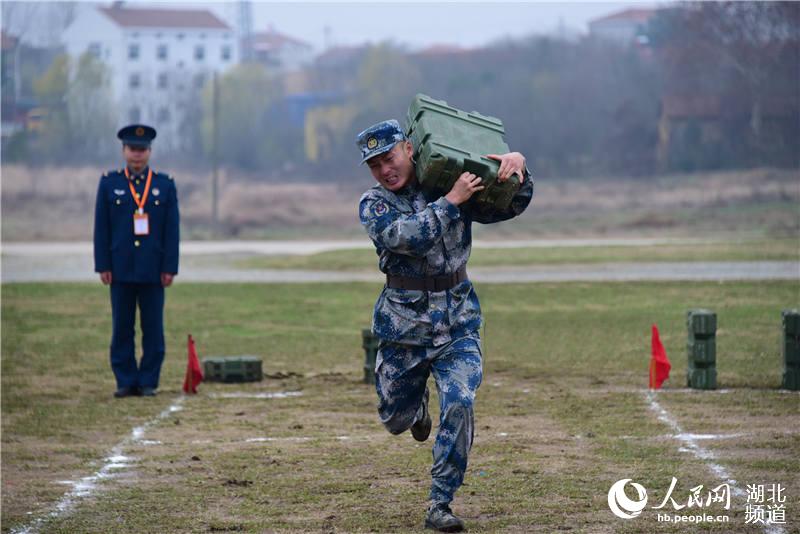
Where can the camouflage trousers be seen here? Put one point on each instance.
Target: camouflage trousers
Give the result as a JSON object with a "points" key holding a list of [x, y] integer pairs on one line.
{"points": [[401, 376]]}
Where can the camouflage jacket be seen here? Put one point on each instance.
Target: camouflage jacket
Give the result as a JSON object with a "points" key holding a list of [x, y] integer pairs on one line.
{"points": [[418, 237]]}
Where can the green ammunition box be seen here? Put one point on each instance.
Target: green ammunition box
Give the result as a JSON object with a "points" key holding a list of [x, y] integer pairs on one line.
{"points": [[790, 320], [791, 378], [790, 323], [701, 348], [701, 323], [232, 369], [702, 351], [370, 344], [448, 142], [701, 378]]}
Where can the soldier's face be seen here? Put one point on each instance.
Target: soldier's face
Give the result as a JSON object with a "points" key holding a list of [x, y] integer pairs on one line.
{"points": [[393, 169], [135, 156]]}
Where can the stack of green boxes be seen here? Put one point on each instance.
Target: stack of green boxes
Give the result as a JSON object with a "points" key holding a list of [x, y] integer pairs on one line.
{"points": [[702, 349], [448, 142], [790, 320], [370, 343], [232, 369]]}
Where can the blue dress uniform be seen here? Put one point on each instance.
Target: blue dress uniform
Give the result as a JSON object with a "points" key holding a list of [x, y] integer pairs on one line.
{"points": [[428, 331], [136, 263]]}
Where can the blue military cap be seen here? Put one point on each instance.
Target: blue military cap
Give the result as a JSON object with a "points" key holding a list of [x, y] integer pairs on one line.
{"points": [[379, 138], [137, 135]]}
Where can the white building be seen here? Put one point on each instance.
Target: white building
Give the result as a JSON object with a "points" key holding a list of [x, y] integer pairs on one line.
{"points": [[622, 27], [278, 51], [159, 60]]}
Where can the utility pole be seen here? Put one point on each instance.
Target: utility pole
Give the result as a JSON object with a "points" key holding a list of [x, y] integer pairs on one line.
{"points": [[245, 30], [215, 159]]}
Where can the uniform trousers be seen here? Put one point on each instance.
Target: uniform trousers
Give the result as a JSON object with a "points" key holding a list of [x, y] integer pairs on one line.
{"points": [[401, 376], [124, 299]]}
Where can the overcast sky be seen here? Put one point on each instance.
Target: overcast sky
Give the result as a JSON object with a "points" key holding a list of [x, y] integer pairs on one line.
{"points": [[420, 24], [416, 24]]}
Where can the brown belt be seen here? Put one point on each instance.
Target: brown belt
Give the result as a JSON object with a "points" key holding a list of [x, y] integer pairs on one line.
{"points": [[430, 283]]}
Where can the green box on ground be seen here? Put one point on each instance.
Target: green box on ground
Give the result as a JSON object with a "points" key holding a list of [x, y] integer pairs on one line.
{"points": [[448, 142], [702, 351], [791, 378], [701, 323], [701, 348], [232, 369], [790, 323], [790, 320], [791, 351], [701, 377], [370, 344]]}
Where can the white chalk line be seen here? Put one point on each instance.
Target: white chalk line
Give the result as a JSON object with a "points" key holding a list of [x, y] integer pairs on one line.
{"points": [[243, 395], [112, 464], [690, 445]]}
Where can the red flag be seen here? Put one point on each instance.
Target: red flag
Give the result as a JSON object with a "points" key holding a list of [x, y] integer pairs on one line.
{"points": [[194, 374], [659, 363]]}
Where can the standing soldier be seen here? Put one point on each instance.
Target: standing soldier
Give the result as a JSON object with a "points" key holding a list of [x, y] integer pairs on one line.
{"points": [[136, 234], [428, 316]]}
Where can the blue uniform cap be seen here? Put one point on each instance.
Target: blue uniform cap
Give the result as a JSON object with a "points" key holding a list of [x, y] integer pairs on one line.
{"points": [[379, 138], [137, 135]]}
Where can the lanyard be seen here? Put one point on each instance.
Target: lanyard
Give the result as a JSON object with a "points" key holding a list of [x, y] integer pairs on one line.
{"points": [[146, 189]]}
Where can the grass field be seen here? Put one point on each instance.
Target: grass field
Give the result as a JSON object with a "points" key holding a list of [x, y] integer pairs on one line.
{"points": [[561, 414], [366, 260]]}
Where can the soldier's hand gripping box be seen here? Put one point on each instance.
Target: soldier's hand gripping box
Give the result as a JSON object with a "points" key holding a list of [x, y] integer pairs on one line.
{"points": [[448, 142]]}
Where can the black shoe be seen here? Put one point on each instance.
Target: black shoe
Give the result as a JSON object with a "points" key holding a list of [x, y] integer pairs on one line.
{"points": [[148, 392], [440, 517], [124, 392], [422, 428]]}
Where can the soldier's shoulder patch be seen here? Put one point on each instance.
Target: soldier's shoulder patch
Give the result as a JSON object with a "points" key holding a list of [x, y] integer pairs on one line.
{"points": [[380, 208]]}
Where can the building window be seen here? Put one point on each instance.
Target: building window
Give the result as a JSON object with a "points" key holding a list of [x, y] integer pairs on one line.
{"points": [[226, 53], [199, 81], [161, 51], [163, 115], [95, 49], [134, 114], [163, 80], [133, 51], [134, 82], [199, 52]]}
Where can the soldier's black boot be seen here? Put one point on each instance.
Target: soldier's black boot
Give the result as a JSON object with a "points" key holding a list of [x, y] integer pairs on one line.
{"points": [[124, 392], [422, 428], [440, 517]]}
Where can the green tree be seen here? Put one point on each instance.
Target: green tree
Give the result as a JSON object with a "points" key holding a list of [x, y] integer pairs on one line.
{"points": [[77, 109], [90, 107], [386, 81], [246, 94], [54, 136]]}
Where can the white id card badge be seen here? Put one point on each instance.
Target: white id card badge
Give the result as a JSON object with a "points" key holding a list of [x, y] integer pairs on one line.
{"points": [[141, 224]]}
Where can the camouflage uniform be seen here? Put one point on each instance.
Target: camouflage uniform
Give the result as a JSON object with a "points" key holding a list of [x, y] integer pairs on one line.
{"points": [[425, 331]]}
